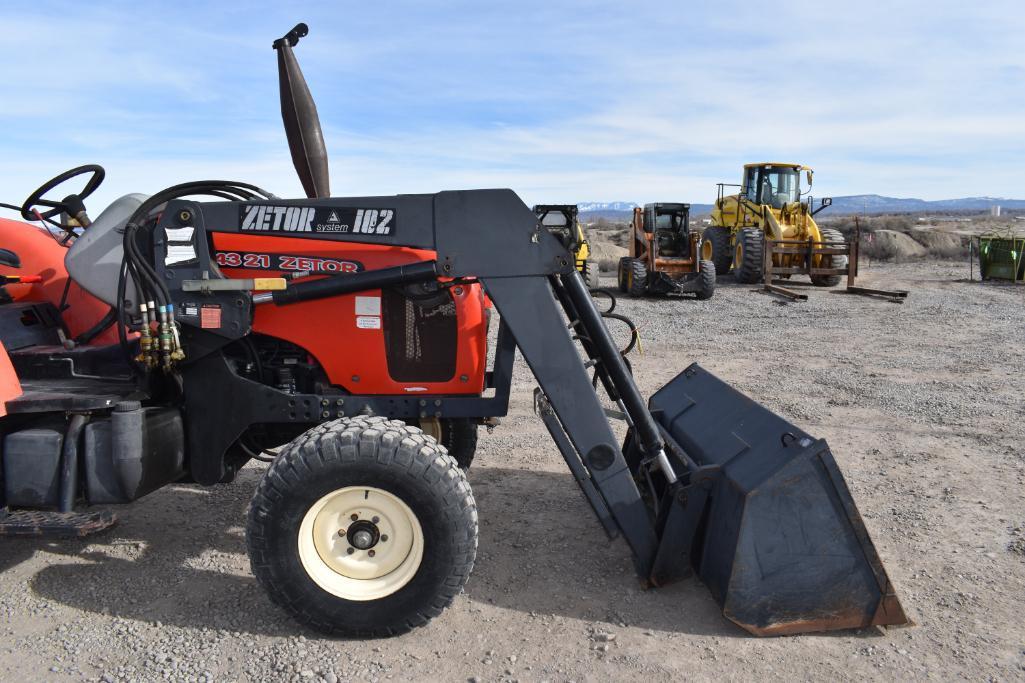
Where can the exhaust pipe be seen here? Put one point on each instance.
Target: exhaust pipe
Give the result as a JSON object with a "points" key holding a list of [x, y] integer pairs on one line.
{"points": [[299, 114]]}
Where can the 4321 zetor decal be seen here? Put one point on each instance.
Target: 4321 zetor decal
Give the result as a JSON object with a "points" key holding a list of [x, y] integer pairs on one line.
{"points": [[285, 262], [265, 217]]}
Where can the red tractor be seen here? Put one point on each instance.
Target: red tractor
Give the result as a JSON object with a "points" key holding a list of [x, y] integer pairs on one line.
{"points": [[172, 339]]}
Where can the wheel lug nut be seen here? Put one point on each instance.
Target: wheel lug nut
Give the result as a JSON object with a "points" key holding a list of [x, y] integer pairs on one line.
{"points": [[351, 550], [384, 537], [375, 520], [354, 516], [371, 553], [342, 532]]}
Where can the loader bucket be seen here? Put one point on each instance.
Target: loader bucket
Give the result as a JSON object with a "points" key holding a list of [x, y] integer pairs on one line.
{"points": [[782, 546]]}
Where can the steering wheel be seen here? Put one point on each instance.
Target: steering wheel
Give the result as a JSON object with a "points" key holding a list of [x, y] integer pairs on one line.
{"points": [[72, 204]]}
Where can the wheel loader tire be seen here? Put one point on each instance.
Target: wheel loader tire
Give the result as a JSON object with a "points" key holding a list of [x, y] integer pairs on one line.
{"points": [[718, 251], [834, 261], [707, 277], [637, 278], [748, 261], [363, 527], [591, 274]]}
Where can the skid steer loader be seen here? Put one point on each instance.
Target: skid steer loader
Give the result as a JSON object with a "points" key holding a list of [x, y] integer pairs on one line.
{"points": [[561, 219], [664, 255], [768, 214], [194, 334]]}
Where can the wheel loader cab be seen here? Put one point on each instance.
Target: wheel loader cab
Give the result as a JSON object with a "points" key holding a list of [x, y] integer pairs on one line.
{"points": [[774, 185]]}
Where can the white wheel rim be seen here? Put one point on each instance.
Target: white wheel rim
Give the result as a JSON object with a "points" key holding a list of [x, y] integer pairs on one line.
{"points": [[432, 427], [365, 573]]}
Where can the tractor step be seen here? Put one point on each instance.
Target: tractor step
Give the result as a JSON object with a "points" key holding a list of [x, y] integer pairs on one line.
{"points": [[50, 524]]}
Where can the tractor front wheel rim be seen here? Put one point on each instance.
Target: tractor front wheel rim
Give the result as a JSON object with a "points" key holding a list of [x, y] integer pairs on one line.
{"points": [[361, 543]]}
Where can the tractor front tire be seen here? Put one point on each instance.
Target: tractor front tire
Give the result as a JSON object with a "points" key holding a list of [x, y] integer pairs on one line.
{"points": [[636, 277], [591, 274], [715, 247], [363, 527], [459, 437], [831, 261], [457, 434], [707, 278], [748, 265]]}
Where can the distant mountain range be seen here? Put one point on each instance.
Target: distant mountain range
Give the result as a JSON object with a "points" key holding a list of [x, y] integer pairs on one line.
{"points": [[850, 204], [874, 203], [596, 207]]}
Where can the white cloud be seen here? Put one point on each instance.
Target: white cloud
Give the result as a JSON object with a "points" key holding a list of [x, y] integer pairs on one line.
{"points": [[638, 101]]}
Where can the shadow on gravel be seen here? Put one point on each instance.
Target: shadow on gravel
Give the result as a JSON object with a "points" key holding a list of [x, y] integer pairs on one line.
{"points": [[177, 557], [15, 551], [543, 552]]}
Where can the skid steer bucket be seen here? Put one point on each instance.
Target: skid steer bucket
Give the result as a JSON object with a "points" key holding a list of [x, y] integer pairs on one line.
{"points": [[779, 541]]}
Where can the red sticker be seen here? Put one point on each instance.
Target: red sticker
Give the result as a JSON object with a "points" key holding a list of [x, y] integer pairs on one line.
{"points": [[210, 316]]}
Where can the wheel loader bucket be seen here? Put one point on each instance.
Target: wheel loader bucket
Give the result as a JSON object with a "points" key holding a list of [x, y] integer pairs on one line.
{"points": [[781, 544]]}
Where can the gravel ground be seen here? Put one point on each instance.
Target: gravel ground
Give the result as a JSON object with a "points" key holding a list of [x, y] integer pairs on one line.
{"points": [[921, 402]]}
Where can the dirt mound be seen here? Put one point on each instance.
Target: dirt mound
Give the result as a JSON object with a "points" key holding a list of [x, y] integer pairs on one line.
{"points": [[607, 254], [890, 244], [615, 235], [939, 243]]}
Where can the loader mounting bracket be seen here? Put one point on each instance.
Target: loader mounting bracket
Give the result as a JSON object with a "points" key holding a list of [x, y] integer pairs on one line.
{"points": [[682, 513]]}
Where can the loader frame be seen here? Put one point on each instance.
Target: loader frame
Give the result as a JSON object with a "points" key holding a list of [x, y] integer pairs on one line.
{"points": [[528, 275]]}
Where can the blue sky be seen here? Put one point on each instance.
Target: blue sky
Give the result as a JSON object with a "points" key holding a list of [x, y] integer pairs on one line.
{"points": [[563, 102]]}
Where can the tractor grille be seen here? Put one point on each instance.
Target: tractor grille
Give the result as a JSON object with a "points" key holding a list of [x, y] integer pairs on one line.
{"points": [[420, 337]]}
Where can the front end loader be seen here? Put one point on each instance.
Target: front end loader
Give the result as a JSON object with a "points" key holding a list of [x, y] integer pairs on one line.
{"points": [[212, 320], [768, 222], [665, 256]]}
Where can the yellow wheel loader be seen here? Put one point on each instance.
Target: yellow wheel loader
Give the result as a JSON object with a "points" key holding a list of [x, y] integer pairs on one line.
{"points": [[768, 212], [562, 220]]}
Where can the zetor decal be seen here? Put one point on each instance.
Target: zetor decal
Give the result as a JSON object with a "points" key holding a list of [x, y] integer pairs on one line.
{"points": [[263, 217], [285, 262], [282, 218]]}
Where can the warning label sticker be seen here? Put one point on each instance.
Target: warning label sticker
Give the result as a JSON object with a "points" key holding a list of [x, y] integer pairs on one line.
{"points": [[210, 316], [368, 305], [368, 322]]}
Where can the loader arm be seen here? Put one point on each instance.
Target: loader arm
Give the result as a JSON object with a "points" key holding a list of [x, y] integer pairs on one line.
{"points": [[730, 490]]}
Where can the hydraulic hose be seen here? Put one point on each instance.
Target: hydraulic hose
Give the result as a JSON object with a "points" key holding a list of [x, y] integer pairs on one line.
{"points": [[608, 354]]}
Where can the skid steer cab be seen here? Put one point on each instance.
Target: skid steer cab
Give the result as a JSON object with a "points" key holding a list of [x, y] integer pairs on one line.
{"points": [[665, 255], [211, 321], [561, 220]]}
